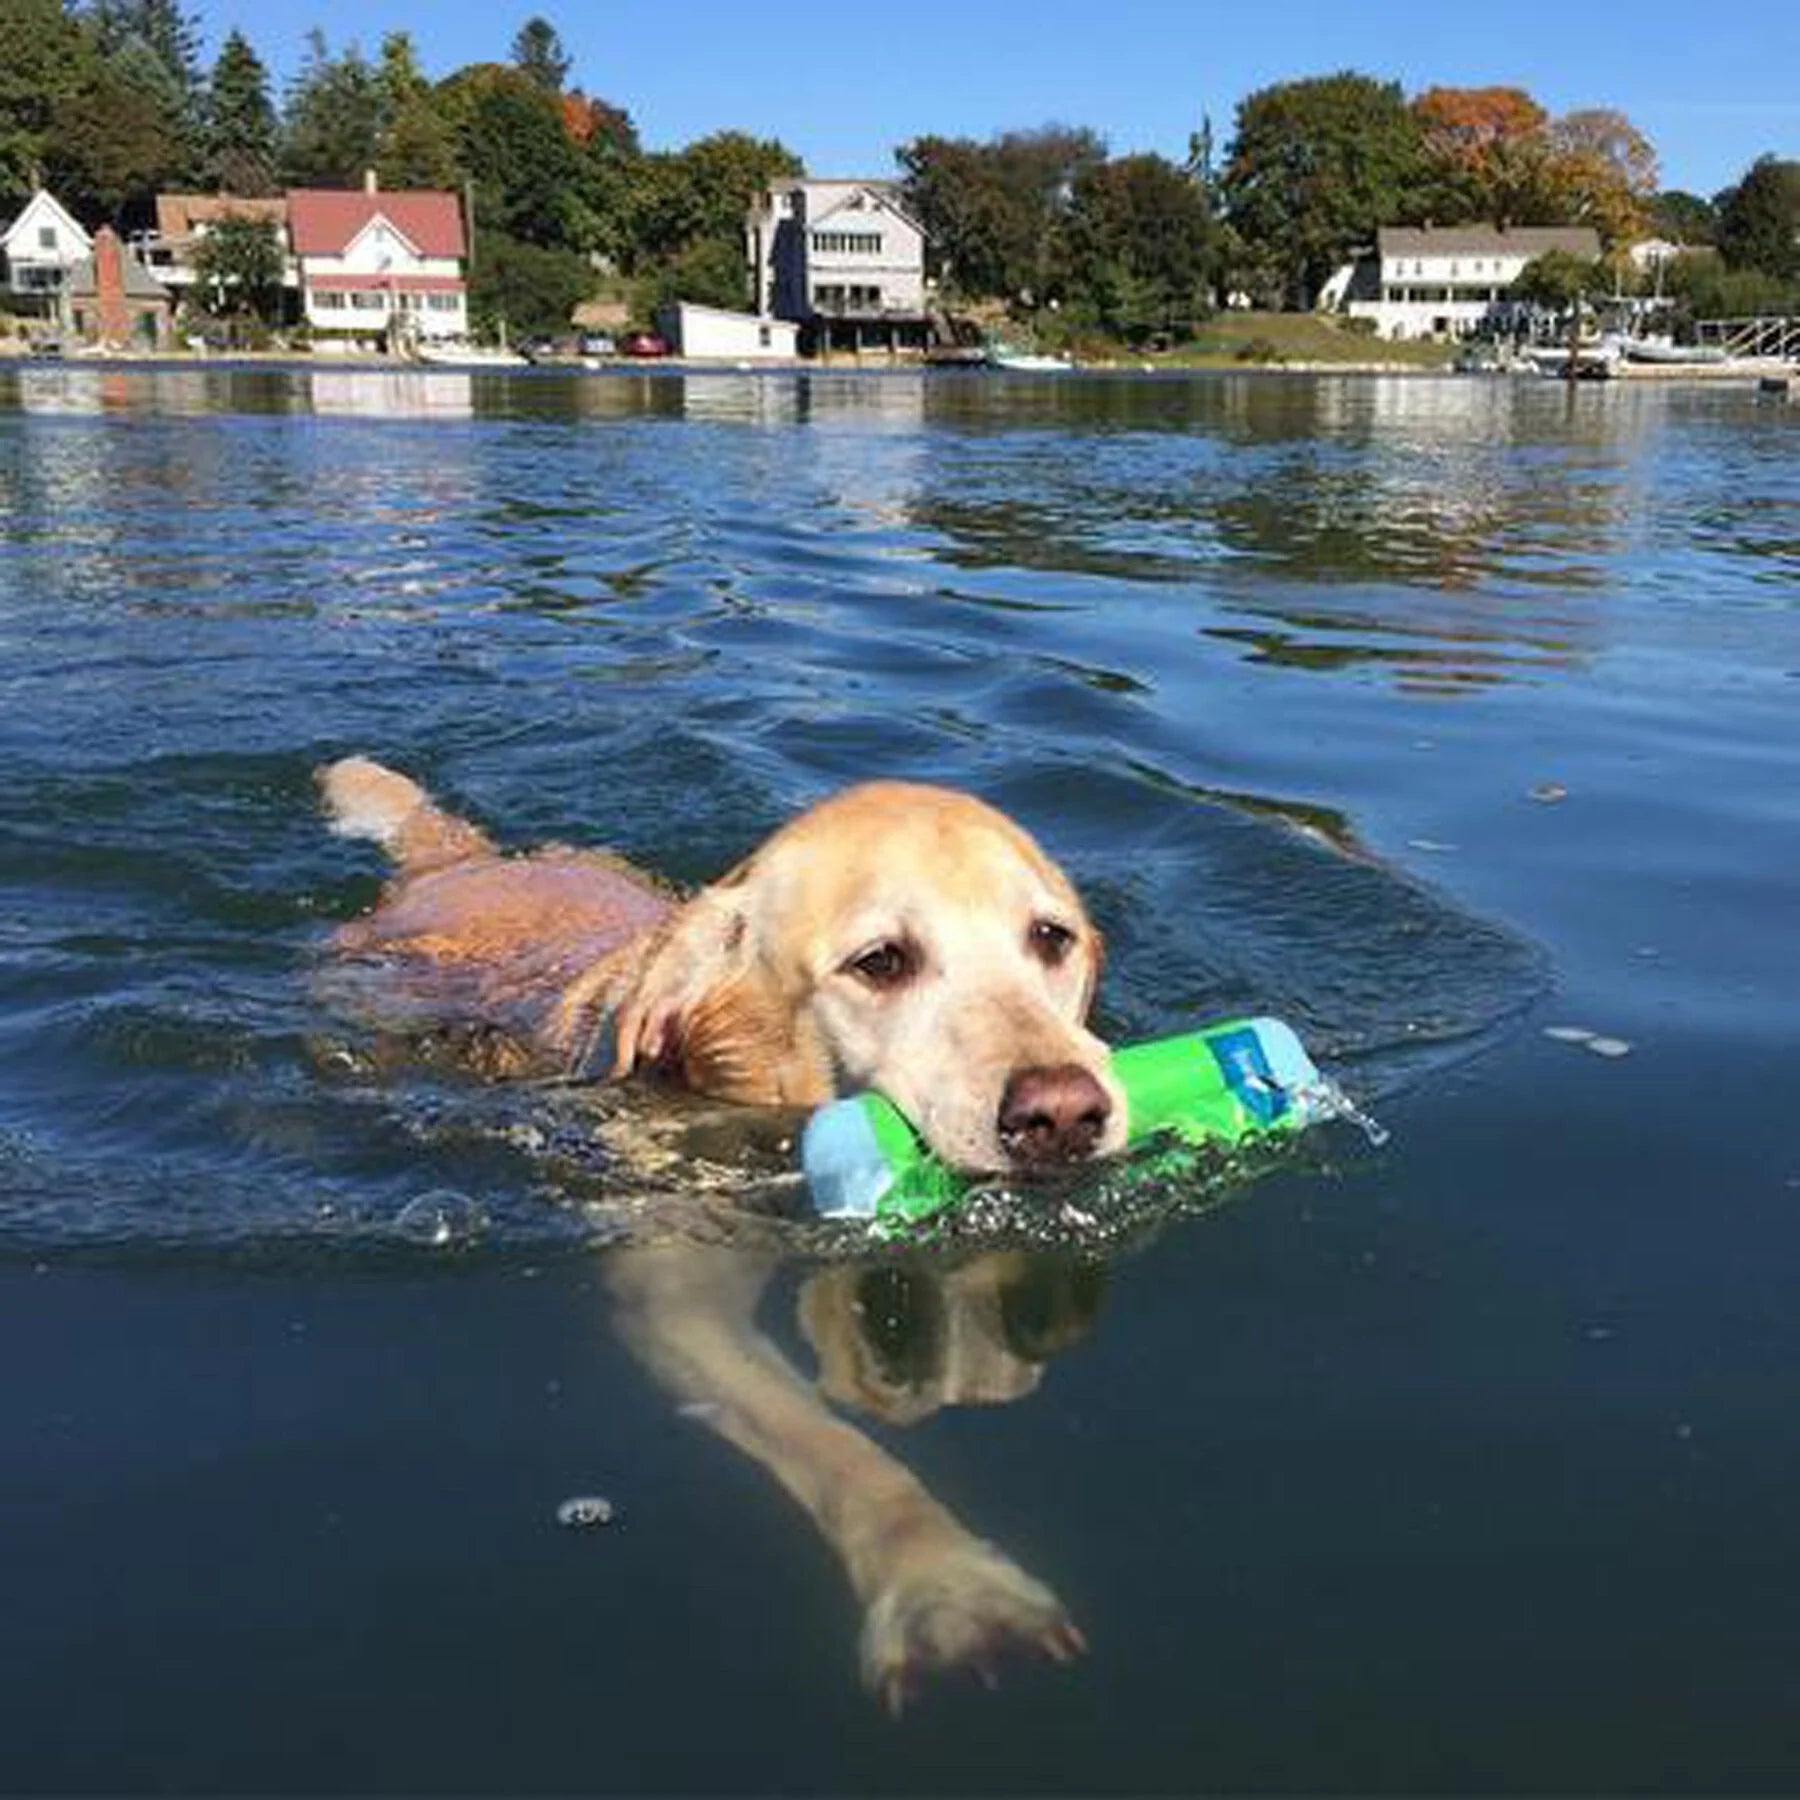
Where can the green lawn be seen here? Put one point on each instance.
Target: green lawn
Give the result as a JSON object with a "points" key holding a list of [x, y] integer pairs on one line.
{"points": [[1275, 338]]}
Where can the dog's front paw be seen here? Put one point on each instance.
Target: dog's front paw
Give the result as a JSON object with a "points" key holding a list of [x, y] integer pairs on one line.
{"points": [[961, 1606]]}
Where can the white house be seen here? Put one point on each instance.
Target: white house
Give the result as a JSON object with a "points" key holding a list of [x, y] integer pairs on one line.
{"points": [[376, 268], [709, 333], [37, 251], [1448, 281], [844, 260]]}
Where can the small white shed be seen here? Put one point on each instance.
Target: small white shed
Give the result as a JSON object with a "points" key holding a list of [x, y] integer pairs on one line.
{"points": [[710, 333]]}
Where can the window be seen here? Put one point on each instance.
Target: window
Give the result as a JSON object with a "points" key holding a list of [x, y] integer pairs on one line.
{"points": [[367, 301], [329, 302], [46, 237], [444, 302], [846, 243], [763, 338]]}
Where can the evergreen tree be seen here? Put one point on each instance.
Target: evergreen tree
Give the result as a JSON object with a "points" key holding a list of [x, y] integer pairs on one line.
{"points": [[333, 125], [538, 52], [242, 134], [45, 59]]}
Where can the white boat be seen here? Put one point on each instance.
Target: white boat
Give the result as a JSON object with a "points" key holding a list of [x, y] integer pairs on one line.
{"points": [[1026, 362], [470, 356], [1666, 350]]}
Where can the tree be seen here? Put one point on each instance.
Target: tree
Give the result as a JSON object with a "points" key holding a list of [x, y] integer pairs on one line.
{"points": [[1557, 280], [242, 133], [538, 53], [1140, 250], [527, 287], [1759, 219], [238, 266], [1601, 172], [598, 126], [418, 145], [994, 214], [512, 145], [333, 125], [1315, 167], [1484, 151], [45, 59], [117, 138], [1683, 218]]}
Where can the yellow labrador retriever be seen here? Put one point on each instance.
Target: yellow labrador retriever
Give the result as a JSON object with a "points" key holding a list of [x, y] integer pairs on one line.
{"points": [[901, 937]]}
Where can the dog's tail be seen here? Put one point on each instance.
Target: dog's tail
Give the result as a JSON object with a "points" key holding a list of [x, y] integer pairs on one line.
{"points": [[366, 800]]}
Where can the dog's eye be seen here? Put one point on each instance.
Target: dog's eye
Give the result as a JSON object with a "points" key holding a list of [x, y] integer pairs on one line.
{"points": [[1050, 942], [885, 965]]}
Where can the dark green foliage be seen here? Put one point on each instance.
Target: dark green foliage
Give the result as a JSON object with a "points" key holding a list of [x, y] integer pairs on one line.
{"points": [[1683, 218], [538, 53], [1704, 288], [512, 145], [995, 214], [333, 124], [116, 139], [1557, 280], [1315, 167], [45, 59], [527, 287], [238, 268], [1139, 248], [1759, 220], [242, 134]]}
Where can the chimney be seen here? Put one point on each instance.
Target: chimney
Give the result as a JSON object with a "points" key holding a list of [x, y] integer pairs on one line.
{"points": [[111, 316], [369, 181]]}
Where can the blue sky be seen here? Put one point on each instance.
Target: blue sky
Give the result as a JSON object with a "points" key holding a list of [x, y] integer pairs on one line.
{"points": [[843, 85]]}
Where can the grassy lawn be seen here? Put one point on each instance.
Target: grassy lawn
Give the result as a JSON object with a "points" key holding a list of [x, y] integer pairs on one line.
{"points": [[1275, 338]]}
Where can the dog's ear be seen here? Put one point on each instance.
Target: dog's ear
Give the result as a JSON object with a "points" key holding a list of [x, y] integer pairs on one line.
{"points": [[703, 1003], [698, 949]]}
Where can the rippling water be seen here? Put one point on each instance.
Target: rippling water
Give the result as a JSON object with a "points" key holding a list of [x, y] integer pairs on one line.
{"points": [[1423, 712]]}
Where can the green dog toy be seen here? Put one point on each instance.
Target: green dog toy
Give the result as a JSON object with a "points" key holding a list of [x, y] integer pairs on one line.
{"points": [[1234, 1080]]}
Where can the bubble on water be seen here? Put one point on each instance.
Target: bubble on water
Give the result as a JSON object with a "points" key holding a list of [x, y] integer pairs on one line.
{"points": [[584, 1511], [441, 1219]]}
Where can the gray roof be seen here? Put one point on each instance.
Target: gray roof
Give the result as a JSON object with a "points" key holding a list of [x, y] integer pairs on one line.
{"points": [[140, 284], [1487, 240]]}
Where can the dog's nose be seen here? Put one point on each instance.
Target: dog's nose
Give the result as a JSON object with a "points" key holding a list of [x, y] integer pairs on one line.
{"points": [[1052, 1115]]}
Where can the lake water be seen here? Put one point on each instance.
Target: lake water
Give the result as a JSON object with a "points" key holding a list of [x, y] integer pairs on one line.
{"points": [[1431, 714]]}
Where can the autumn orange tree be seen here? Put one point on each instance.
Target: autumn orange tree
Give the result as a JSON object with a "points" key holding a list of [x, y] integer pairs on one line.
{"points": [[1495, 153]]}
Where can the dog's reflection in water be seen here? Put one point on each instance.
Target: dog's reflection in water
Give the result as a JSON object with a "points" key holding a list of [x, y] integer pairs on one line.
{"points": [[895, 1340]]}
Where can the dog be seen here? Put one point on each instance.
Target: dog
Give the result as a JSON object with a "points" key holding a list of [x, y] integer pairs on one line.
{"points": [[899, 937], [896, 936]]}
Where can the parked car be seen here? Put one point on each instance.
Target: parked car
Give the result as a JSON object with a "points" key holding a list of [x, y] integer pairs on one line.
{"points": [[597, 343], [643, 343]]}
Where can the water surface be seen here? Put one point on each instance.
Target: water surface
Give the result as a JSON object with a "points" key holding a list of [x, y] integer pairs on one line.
{"points": [[1427, 713]]}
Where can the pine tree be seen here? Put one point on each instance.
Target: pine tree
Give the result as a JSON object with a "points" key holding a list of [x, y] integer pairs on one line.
{"points": [[538, 52], [241, 129], [333, 124]]}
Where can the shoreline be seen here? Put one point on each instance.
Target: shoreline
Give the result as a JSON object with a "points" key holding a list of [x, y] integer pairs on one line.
{"points": [[1743, 369]]}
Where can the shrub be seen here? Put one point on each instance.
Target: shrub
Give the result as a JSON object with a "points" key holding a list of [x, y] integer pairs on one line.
{"points": [[1259, 350]]}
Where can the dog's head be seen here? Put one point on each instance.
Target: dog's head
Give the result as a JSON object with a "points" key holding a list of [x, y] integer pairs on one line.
{"points": [[904, 938]]}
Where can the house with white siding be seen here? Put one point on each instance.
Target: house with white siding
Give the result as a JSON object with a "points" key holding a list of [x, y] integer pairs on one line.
{"points": [[713, 334], [379, 270], [1449, 281], [37, 252], [843, 260]]}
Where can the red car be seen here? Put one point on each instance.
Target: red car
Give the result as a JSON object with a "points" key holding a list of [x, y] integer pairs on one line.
{"points": [[643, 343]]}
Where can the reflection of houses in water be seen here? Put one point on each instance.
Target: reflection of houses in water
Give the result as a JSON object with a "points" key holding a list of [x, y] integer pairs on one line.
{"points": [[392, 393]]}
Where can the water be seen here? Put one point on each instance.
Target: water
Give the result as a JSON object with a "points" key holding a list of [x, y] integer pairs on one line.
{"points": [[1459, 1464]]}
